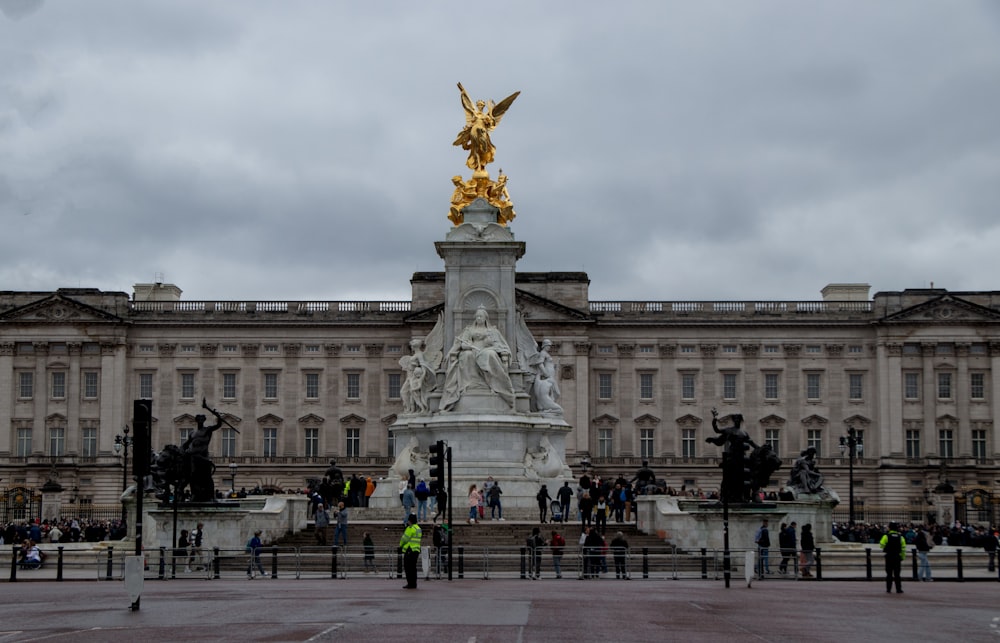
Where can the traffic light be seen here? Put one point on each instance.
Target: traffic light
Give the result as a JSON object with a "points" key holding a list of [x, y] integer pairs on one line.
{"points": [[437, 462], [142, 420]]}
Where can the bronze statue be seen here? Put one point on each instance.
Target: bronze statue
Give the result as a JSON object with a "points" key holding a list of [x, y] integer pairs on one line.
{"points": [[481, 118], [189, 465], [735, 461]]}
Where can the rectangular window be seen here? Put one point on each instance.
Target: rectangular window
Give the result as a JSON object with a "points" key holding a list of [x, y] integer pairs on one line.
{"points": [[57, 441], [187, 386], [645, 386], [689, 443], [146, 386], [89, 444], [646, 349], [646, 443], [90, 385], [604, 386], [312, 442], [605, 438], [353, 443], [946, 446], [911, 386], [58, 385], [855, 349], [979, 445], [229, 386], [771, 386], [687, 349], [394, 384], [813, 386], [23, 443], [814, 440], [771, 438], [814, 349], [25, 385], [185, 434], [944, 386], [729, 386], [271, 348], [312, 348], [729, 348], [312, 386], [391, 445], [855, 384], [354, 386], [270, 442], [228, 443], [977, 386], [912, 443], [771, 348], [270, 386], [687, 386]]}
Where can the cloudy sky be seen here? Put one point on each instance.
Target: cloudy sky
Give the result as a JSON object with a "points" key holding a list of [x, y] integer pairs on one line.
{"points": [[671, 149]]}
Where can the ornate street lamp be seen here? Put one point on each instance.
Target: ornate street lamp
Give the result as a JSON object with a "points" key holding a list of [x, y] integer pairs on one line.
{"points": [[852, 445], [232, 470], [122, 443]]}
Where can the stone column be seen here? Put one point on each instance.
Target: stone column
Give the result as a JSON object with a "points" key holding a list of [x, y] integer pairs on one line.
{"points": [[963, 437], [583, 397]]}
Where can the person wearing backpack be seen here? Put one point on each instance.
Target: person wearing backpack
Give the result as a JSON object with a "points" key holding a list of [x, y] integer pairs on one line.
{"points": [[895, 553], [763, 541], [422, 493], [923, 544], [496, 509]]}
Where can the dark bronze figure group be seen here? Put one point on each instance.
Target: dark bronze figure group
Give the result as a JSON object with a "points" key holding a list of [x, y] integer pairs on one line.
{"points": [[746, 466], [185, 471]]}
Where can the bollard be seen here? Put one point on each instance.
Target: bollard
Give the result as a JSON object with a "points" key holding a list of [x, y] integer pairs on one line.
{"points": [[399, 562], [274, 561], [819, 564], [523, 574], [162, 574], [111, 554], [645, 563], [15, 552], [868, 564], [461, 562], [958, 565], [59, 563], [704, 563], [215, 563], [913, 559], [333, 562]]}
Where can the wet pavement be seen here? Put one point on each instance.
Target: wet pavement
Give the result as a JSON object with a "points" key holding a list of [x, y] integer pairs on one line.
{"points": [[378, 609]]}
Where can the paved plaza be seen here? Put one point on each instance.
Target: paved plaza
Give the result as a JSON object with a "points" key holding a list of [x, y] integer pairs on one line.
{"points": [[370, 609]]}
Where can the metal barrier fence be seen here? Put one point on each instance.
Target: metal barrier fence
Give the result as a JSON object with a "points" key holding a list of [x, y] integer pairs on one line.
{"points": [[339, 563]]}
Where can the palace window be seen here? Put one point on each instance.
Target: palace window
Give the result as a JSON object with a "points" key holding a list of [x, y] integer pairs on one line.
{"points": [[90, 385], [729, 386], [187, 386], [57, 441], [25, 385], [23, 442], [270, 386], [605, 443], [646, 443], [88, 446], [394, 384], [58, 389], [353, 443], [813, 389], [228, 443], [687, 386], [645, 386], [944, 386], [771, 382], [911, 386], [689, 443], [977, 386], [979, 445], [312, 442], [229, 386], [814, 440], [855, 385], [354, 386], [771, 438], [912, 443], [270, 442], [604, 386], [312, 386], [146, 386], [946, 445]]}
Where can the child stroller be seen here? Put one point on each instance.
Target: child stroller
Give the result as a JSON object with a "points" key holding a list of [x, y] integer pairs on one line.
{"points": [[556, 510]]}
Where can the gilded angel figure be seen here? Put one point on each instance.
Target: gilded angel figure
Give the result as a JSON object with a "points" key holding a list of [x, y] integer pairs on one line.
{"points": [[481, 118]]}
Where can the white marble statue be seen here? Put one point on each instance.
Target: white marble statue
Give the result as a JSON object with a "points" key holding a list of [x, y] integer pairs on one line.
{"points": [[479, 358], [541, 382], [543, 461], [419, 369], [411, 457]]}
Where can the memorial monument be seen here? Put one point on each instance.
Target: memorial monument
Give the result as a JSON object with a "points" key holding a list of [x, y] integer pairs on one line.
{"points": [[480, 380]]}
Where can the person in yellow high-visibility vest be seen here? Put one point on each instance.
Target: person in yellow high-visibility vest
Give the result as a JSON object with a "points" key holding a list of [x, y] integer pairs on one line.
{"points": [[410, 544]]}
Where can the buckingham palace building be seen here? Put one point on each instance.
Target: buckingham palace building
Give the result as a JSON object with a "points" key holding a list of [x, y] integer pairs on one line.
{"points": [[305, 382]]}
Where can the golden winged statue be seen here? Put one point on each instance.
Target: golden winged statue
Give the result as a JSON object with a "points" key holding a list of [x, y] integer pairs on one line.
{"points": [[481, 118]]}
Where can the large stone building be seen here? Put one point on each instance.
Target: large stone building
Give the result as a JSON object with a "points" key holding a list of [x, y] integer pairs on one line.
{"points": [[309, 381]]}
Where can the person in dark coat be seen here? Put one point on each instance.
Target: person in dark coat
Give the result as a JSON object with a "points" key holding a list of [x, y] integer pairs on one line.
{"points": [[543, 499]]}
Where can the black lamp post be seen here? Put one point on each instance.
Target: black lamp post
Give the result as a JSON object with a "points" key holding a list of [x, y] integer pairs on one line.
{"points": [[122, 443], [852, 444], [232, 470]]}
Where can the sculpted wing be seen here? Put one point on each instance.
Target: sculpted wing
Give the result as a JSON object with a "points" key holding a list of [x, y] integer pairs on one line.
{"points": [[470, 107], [434, 344], [501, 108], [527, 347]]}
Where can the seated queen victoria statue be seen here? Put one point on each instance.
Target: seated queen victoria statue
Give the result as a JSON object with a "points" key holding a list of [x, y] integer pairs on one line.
{"points": [[478, 359]]}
